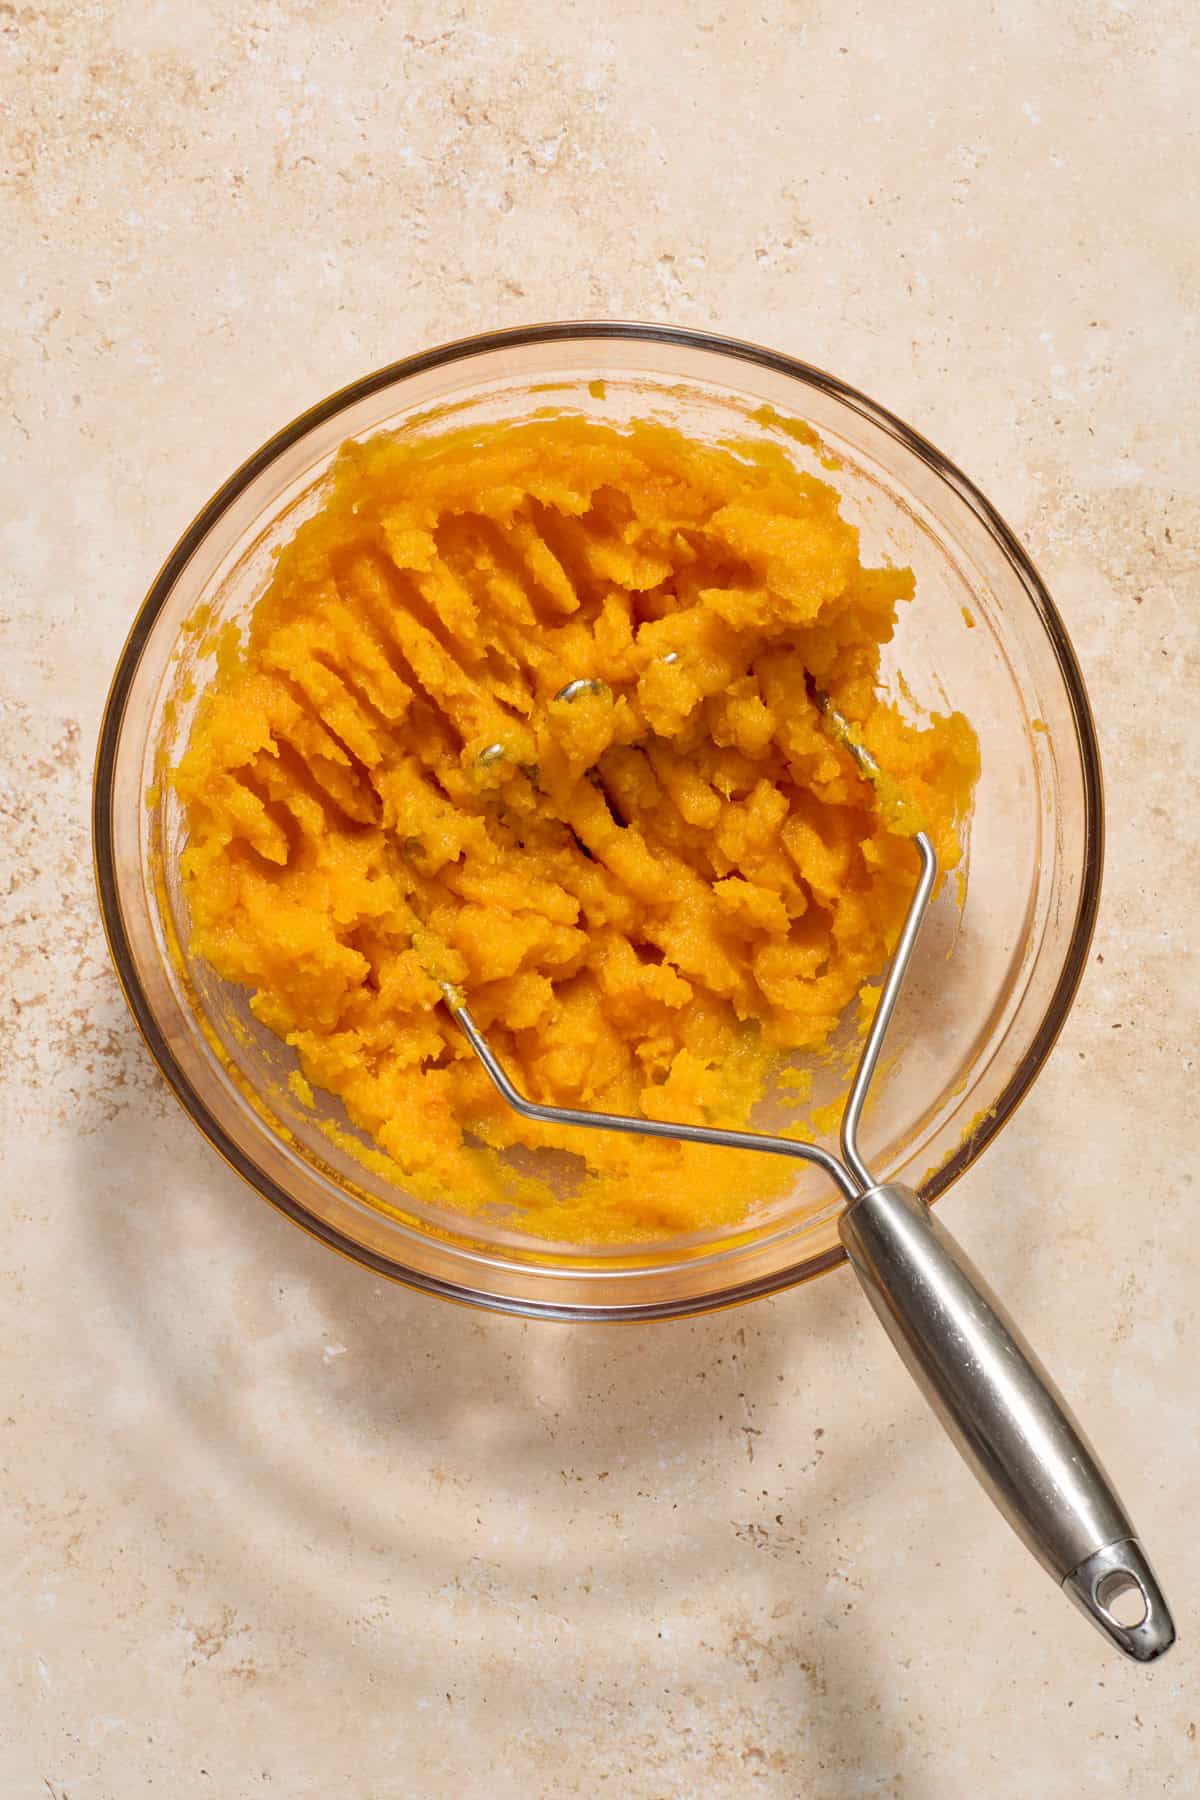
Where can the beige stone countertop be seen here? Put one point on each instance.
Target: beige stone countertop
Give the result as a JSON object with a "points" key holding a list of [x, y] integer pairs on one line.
{"points": [[270, 1527]]}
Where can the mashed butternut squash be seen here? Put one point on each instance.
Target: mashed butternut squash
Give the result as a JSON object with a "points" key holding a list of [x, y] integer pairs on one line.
{"points": [[651, 887]]}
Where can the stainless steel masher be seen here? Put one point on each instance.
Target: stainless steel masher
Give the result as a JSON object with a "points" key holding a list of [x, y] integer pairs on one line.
{"points": [[966, 1355]]}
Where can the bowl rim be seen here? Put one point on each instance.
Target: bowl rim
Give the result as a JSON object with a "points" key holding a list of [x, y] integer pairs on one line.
{"points": [[513, 337]]}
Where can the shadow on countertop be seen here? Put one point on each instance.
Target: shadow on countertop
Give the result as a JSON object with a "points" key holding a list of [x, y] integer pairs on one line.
{"points": [[312, 1433]]}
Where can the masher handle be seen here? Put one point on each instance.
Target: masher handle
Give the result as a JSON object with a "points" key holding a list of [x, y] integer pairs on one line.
{"points": [[1002, 1411]]}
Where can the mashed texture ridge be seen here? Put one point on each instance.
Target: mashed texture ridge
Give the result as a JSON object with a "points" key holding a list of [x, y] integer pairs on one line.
{"points": [[649, 892]]}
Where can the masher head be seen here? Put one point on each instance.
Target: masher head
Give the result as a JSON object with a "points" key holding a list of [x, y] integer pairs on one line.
{"points": [[851, 1173]]}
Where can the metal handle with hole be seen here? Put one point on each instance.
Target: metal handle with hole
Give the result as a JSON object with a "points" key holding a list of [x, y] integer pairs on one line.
{"points": [[1003, 1412]]}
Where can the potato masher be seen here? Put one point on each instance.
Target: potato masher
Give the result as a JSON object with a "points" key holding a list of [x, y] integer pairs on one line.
{"points": [[991, 1393]]}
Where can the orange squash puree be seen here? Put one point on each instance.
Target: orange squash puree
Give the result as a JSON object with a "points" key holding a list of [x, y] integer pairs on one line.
{"points": [[650, 892]]}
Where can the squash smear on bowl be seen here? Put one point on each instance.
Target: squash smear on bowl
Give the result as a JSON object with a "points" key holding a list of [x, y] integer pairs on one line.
{"points": [[652, 891]]}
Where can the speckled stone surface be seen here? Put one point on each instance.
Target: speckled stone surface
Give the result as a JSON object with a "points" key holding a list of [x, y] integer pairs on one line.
{"points": [[269, 1527]]}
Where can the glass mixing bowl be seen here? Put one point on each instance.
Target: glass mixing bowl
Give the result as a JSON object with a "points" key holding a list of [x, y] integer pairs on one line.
{"points": [[993, 977]]}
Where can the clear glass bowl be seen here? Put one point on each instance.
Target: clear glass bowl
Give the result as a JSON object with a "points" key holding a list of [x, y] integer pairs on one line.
{"points": [[991, 984]]}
